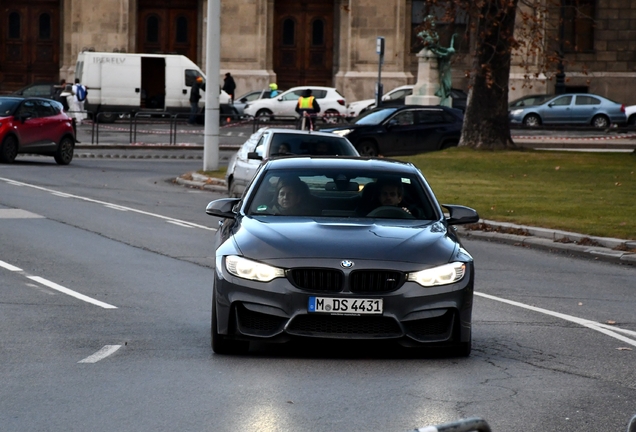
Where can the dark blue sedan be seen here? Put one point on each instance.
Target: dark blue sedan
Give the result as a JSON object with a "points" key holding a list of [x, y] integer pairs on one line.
{"points": [[403, 130]]}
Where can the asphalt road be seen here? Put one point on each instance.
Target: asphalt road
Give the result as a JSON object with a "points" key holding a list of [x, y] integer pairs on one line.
{"points": [[554, 336]]}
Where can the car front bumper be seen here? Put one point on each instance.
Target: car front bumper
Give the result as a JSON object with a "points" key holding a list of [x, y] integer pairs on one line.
{"points": [[277, 311]]}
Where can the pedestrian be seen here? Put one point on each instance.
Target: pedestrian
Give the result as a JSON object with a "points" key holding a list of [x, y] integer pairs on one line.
{"points": [[195, 95], [307, 107], [273, 90], [79, 97], [229, 86]]}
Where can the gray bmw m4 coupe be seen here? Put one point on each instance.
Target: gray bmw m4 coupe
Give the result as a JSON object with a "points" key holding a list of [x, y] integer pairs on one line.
{"points": [[340, 248]]}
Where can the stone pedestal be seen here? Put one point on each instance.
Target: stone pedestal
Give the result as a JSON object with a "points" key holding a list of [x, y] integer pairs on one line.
{"points": [[427, 81]]}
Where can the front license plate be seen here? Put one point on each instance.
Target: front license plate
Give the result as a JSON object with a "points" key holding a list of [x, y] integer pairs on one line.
{"points": [[343, 306]]}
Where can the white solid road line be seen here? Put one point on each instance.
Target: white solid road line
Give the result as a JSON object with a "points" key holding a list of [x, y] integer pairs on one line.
{"points": [[599, 327], [107, 204], [10, 267], [101, 354], [70, 292]]}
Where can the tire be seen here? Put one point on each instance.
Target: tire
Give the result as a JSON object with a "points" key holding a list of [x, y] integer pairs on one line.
{"points": [[220, 344], [463, 349], [532, 120], [331, 117], [367, 148], [631, 121], [107, 117], [600, 121], [9, 149], [264, 115], [65, 150]]}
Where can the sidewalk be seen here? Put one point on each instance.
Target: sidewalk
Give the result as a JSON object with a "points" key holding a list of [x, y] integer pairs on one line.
{"points": [[597, 248]]}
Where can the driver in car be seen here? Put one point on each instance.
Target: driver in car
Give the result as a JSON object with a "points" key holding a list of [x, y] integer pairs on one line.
{"points": [[391, 194]]}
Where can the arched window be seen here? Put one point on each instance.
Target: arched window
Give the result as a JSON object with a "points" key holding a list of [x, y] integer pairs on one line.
{"points": [[14, 25], [152, 29], [45, 26], [318, 32], [289, 32], [182, 29]]}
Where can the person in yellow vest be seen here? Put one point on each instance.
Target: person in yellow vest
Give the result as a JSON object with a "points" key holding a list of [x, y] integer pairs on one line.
{"points": [[307, 107]]}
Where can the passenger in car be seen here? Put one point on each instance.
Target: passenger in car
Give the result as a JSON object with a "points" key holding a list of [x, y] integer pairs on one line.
{"points": [[293, 198]]}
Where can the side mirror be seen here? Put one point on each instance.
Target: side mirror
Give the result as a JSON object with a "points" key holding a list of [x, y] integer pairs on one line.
{"points": [[459, 215], [550, 105], [223, 208], [243, 100], [254, 155], [280, 99], [391, 123]]}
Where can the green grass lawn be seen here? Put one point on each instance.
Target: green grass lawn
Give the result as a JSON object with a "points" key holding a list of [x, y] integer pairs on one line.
{"points": [[588, 193]]}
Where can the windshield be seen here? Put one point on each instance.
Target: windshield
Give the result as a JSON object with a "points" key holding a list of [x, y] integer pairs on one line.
{"points": [[7, 106], [306, 144], [375, 116], [341, 193]]}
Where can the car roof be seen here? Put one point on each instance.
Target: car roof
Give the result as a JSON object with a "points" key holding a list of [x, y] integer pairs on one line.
{"points": [[16, 97], [298, 132], [310, 87], [341, 162]]}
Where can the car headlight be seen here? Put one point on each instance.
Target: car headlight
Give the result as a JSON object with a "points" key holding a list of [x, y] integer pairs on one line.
{"points": [[442, 275], [252, 270], [516, 112], [343, 132]]}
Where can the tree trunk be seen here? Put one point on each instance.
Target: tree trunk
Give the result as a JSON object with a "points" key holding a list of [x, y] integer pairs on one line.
{"points": [[486, 125]]}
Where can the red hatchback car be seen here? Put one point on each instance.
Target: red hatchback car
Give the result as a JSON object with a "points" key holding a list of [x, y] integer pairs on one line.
{"points": [[35, 126]]}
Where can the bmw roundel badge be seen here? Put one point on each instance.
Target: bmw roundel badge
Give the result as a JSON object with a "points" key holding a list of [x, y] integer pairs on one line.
{"points": [[346, 264]]}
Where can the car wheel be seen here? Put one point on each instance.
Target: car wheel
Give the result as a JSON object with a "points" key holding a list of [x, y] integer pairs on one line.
{"points": [[367, 148], [9, 149], [331, 117], [64, 153], [107, 117], [631, 121], [463, 349], [220, 343], [600, 121], [264, 115], [532, 120]]}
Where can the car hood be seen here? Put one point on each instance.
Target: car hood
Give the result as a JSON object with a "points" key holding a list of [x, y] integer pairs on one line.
{"points": [[364, 102], [423, 242]]}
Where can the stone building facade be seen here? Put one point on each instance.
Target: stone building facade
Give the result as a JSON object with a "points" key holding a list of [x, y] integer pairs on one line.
{"points": [[296, 42]]}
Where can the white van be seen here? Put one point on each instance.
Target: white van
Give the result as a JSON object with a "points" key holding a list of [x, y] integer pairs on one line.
{"points": [[122, 82]]}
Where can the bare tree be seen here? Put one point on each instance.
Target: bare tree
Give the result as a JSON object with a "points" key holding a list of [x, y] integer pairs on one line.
{"points": [[499, 30]]}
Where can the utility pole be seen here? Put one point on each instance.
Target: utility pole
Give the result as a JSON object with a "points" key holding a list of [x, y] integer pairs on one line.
{"points": [[379, 49], [212, 71]]}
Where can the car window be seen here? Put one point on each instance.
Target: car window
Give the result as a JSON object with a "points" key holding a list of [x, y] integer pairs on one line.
{"points": [[342, 193], [27, 108], [399, 94], [430, 117], [562, 101], [191, 76], [319, 94], [587, 100], [7, 106], [403, 118], [374, 117], [38, 90], [44, 108], [305, 144], [254, 96], [292, 95]]}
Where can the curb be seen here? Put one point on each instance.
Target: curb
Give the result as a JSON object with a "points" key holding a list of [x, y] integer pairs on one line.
{"points": [[598, 248]]}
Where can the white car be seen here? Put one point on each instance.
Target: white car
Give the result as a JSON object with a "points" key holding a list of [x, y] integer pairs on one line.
{"points": [[277, 142], [354, 109], [332, 104], [630, 112]]}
